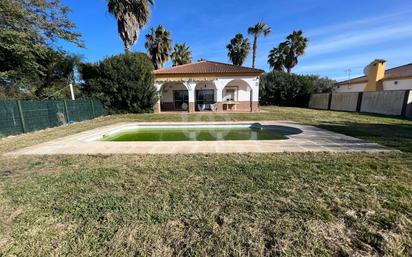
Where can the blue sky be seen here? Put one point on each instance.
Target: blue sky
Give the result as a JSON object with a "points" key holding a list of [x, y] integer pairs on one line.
{"points": [[343, 34]]}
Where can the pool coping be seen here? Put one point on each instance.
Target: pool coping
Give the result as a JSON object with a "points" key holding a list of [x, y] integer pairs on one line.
{"points": [[312, 139]]}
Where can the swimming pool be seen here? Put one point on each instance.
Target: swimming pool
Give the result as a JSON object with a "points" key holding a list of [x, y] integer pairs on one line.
{"points": [[197, 133]]}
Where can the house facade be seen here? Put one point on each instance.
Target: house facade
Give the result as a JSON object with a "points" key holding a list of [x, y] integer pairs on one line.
{"points": [[208, 86], [377, 78]]}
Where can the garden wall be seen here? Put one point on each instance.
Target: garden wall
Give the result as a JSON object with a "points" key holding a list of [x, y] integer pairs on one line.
{"points": [[344, 102], [395, 102], [319, 101], [18, 117], [383, 102]]}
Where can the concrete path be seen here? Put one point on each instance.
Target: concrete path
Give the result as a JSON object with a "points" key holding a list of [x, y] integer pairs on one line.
{"points": [[311, 139]]}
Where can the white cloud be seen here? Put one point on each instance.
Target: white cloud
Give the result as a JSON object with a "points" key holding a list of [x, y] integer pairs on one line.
{"points": [[355, 39], [351, 36], [355, 62], [364, 22]]}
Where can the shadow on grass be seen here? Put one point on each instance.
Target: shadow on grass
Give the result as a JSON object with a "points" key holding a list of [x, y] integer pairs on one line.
{"points": [[393, 135], [377, 115]]}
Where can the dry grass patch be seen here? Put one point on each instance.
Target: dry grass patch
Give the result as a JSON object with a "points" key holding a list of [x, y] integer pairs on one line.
{"points": [[216, 205]]}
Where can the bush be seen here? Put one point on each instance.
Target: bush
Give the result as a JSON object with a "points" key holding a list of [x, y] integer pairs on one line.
{"points": [[280, 88], [124, 83]]}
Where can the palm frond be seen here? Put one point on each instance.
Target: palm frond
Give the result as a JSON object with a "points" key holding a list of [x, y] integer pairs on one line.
{"points": [[238, 49], [131, 16]]}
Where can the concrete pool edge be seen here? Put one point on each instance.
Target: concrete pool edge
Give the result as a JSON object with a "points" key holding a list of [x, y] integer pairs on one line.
{"points": [[312, 139]]}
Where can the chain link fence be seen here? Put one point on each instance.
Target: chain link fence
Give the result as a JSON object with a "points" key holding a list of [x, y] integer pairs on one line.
{"points": [[18, 117]]}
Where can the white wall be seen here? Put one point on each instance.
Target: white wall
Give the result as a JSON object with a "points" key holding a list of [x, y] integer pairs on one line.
{"points": [[359, 87], [246, 85], [401, 84], [242, 90]]}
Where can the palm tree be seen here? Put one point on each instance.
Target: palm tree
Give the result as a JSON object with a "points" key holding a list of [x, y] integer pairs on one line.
{"points": [[277, 57], [297, 44], [258, 30], [181, 54], [238, 49], [158, 45], [131, 16]]}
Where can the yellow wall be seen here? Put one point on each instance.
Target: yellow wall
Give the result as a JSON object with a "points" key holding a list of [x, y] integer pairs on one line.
{"points": [[376, 74]]}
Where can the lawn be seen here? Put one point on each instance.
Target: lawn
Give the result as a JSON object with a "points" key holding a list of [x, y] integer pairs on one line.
{"points": [[297, 204]]}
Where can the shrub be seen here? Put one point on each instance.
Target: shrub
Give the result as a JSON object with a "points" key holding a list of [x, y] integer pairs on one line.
{"points": [[124, 83], [280, 88]]}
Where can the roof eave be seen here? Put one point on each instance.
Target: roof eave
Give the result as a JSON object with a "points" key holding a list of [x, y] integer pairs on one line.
{"points": [[346, 83], [160, 75]]}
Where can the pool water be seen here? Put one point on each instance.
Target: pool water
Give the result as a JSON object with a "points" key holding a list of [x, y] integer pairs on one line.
{"points": [[194, 133]]}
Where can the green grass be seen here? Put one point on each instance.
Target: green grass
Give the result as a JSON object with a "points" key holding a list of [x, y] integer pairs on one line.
{"points": [[297, 204]]}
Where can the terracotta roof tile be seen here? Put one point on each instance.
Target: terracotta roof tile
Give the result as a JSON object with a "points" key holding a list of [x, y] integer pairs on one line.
{"points": [[404, 71], [207, 67]]}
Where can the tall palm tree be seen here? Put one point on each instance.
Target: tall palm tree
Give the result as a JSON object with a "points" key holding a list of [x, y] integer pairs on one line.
{"points": [[297, 44], [238, 49], [131, 16], [277, 57], [258, 30], [158, 45], [181, 54]]}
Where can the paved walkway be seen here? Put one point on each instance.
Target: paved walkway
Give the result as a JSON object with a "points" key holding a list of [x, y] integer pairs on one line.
{"points": [[311, 139]]}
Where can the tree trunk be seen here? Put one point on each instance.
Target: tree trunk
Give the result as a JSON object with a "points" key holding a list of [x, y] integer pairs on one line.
{"points": [[126, 48], [289, 70], [254, 52]]}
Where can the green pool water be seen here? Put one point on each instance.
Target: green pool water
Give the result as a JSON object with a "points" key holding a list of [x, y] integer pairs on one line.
{"points": [[195, 134]]}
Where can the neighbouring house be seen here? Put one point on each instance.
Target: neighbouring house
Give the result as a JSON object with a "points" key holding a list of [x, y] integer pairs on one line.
{"points": [[208, 86], [379, 79]]}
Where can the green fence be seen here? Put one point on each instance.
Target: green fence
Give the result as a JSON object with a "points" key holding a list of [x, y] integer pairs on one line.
{"points": [[18, 117]]}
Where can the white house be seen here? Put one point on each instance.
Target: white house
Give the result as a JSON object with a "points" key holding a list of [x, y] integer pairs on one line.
{"points": [[208, 86], [379, 79]]}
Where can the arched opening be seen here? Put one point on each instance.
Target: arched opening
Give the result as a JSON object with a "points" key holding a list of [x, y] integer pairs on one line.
{"points": [[174, 96], [237, 95], [205, 96]]}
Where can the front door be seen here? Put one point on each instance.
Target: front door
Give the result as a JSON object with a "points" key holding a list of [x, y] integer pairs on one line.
{"points": [[181, 100]]}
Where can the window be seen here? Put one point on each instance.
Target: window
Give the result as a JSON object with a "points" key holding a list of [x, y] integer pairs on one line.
{"points": [[205, 96], [230, 95]]}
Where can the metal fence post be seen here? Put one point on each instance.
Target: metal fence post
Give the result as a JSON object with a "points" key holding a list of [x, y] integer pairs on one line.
{"points": [[23, 123], [330, 101], [66, 110], [92, 104], [405, 103], [359, 103]]}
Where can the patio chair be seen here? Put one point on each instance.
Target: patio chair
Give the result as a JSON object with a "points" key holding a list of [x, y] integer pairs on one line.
{"points": [[201, 107]]}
